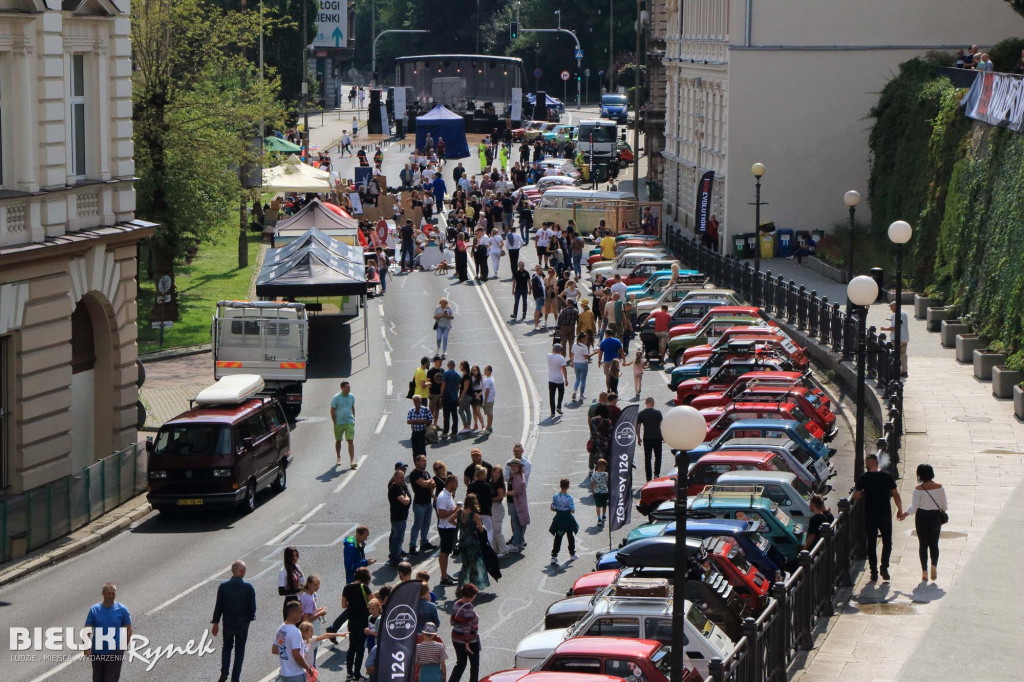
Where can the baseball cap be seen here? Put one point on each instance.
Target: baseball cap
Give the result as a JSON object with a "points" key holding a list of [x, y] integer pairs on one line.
{"points": [[401, 465]]}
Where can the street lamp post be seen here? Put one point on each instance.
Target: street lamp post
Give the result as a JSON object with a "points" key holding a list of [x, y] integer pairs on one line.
{"points": [[862, 291], [757, 170], [900, 233], [683, 428], [305, 83], [851, 199]]}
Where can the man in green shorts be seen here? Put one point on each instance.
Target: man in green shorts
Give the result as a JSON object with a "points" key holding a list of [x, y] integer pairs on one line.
{"points": [[343, 414]]}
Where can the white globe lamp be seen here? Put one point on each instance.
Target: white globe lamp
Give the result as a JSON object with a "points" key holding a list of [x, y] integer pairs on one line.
{"points": [[900, 232], [683, 428], [862, 290]]}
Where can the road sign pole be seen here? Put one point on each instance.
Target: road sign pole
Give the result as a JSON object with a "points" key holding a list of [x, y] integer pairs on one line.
{"points": [[564, 86]]}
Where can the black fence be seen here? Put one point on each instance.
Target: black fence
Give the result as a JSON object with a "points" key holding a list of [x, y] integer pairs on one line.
{"points": [[770, 642]]}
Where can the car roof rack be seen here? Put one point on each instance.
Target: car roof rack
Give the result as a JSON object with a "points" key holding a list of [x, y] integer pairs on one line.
{"points": [[734, 492]]}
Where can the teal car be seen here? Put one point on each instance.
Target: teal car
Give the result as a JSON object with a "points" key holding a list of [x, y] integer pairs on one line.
{"points": [[657, 282], [785, 534], [647, 530]]}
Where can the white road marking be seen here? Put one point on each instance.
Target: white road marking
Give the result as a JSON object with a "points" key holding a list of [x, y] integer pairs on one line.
{"points": [[53, 671], [312, 511], [391, 387], [387, 358], [189, 591], [341, 486], [277, 539], [380, 307], [383, 418]]}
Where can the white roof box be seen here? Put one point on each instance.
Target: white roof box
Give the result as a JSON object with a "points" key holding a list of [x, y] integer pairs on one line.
{"points": [[231, 390]]}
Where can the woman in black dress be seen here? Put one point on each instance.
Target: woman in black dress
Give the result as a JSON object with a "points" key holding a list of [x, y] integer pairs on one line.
{"points": [[462, 257], [355, 599]]}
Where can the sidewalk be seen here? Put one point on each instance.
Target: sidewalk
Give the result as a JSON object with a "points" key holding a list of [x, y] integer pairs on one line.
{"points": [[911, 630]]}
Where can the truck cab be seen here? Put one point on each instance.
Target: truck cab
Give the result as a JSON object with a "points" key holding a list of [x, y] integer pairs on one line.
{"points": [[598, 137]]}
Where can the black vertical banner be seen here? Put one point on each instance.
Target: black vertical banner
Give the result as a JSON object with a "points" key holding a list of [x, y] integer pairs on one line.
{"points": [[396, 634], [620, 471], [703, 211]]}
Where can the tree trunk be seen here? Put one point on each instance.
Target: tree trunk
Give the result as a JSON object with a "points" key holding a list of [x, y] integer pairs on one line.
{"points": [[243, 240]]}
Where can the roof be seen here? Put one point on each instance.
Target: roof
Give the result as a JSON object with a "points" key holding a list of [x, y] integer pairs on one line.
{"points": [[724, 526], [313, 269], [477, 57], [438, 113], [720, 501], [295, 176], [752, 443], [771, 375], [552, 676], [758, 476], [219, 414], [734, 455], [610, 606], [608, 646], [316, 214]]}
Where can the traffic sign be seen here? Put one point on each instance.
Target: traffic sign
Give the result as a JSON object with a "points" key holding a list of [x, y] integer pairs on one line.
{"points": [[166, 324], [579, 54], [537, 73], [331, 24], [565, 75]]}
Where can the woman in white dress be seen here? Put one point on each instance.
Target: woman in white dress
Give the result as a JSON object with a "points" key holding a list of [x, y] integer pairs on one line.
{"points": [[495, 249]]}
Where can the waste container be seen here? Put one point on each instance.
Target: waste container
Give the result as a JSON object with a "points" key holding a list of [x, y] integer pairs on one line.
{"points": [[739, 245], [818, 235], [751, 244], [878, 274], [768, 245], [785, 243]]}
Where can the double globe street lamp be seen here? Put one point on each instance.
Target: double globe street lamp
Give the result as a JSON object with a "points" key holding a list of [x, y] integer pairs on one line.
{"points": [[862, 292], [683, 428]]}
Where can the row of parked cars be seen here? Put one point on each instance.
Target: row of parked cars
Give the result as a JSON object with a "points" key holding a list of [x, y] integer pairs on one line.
{"points": [[748, 491]]}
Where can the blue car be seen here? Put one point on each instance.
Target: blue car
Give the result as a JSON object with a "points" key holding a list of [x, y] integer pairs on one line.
{"points": [[615, 107]]}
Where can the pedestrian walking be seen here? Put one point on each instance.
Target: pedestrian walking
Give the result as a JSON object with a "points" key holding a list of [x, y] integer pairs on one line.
{"points": [[355, 599], [383, 263], [489, 396], [611, 349], [466, 635], [586, 323], [346, 143], [515, 243], [462, 257], [289, 648], [495, 249], [443, 316], [422, 484], [451, 382], [567, 318], [929, 509], [579, 356], [612, 376], [430, 656], [498, 491], [520, 289], [557, 378], [537, 290], [518, 502], [577, 246], [465, 396], [541, 240], [398, 503], [407, 235], [343, 416], [418, 418], [599, 446], [662, 323], [447, 508], [290, 578], [564, 521], [111, 624], [355, 126], [904, 335], [876, 488], [236, 606], [599, 489], [551, 297], [648, 422], [482, 245], [472, 536]]}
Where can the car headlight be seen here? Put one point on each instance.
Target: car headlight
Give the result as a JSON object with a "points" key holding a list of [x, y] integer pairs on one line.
{"points": [[222, 473], [158, 474]]}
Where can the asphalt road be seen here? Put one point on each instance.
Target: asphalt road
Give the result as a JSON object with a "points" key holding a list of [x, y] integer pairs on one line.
{"points": [[167, 569]]}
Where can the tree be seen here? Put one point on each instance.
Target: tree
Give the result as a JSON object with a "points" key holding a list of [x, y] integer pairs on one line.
{"points": [[197, 101], [1017, 5]]}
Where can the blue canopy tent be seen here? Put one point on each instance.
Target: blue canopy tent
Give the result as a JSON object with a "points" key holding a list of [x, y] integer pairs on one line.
{"points": [[440, 122]]}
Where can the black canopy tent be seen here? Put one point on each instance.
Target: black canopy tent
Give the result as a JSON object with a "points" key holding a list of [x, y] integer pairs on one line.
{"points": [[352, 254], [311, 270]]}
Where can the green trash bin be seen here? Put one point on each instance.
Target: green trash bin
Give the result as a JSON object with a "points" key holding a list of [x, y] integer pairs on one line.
{"points": [[751, 244], [768, 245], [739, 245]]}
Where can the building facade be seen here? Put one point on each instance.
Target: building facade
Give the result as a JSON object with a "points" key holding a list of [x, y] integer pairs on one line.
{"points": [[790, 84], [68, 238]]}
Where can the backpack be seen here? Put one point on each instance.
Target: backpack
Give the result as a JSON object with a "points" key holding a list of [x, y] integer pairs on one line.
{"points": [[537, 286]]}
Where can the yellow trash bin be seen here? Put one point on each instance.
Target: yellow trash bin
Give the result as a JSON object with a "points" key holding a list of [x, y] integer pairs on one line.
{"points": [[768, 245]]}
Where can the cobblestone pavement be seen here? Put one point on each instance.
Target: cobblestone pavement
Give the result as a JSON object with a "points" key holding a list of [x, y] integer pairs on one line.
{"points": [[171, 383]]}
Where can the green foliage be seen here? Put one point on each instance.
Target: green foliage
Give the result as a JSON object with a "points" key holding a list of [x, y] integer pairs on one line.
{"points": [[1006, 53], [1018, 7], [626, 76], [1015, 363]]}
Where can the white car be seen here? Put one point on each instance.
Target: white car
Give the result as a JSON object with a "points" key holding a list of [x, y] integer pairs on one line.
{"points": [[627, 260], [534, 192]]}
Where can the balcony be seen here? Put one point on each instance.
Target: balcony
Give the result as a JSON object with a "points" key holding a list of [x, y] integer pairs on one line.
{"points": [[33, 217]]}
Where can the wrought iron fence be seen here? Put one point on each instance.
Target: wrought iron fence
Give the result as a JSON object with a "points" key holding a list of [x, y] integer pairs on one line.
{"points": [[34, 518], [786, 626]]}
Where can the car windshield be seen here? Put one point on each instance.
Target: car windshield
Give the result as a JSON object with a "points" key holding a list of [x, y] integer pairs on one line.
{"points": [[600, 133], [663, 662], [802, 431], [761, 542], [699, 621], [801, 488], [613, 100], [194, 439]]}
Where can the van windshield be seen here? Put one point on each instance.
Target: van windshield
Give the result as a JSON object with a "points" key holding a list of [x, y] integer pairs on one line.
{"points": [[600, 133], [194, 439], [613, 100]]}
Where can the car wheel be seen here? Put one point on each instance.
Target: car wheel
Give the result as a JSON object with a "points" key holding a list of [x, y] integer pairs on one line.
{"points": [[249, 503], [281, 480], [623, 163]]}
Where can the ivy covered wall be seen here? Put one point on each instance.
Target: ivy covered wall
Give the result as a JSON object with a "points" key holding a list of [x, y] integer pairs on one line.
{"points": [[960, 183]]}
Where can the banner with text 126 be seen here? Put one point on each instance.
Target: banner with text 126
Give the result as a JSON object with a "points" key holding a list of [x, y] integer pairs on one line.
{"points": [[703, 211], [620, 468], [396, 633]]}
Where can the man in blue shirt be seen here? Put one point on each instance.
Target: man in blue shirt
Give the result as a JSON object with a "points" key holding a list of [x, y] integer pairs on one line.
{"points": [[611, 349], [236, 603], [111, 631], [343, 416], [451, 382], [419, 418]]}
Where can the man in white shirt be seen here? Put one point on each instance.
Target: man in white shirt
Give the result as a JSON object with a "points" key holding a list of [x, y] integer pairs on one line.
{"points": [[515, 242], [428, 174], [619, 287], [489, 395], [541, 239], [517, 453], [288, 646], [447, 507], [904, 335], [346, 143], [557, 377]]}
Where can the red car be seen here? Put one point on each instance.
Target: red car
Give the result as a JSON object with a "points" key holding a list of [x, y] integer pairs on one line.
{"points": [[808, 402], [593, 582], [761, 337], [721, 311], [705, 472], [712, 395], [723, 377], [720, 418], [599, 659], [749, 583]]}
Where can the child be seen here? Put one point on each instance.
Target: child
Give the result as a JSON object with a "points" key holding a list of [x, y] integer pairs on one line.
{"points": [[613, 376], [564, 522], [639, 365], [374, 606], [309, 640], [431, 656], [599, 487]]}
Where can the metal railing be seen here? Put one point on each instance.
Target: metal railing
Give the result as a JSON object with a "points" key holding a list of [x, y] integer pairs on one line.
{"points": [[786, 626], [34, 518]]}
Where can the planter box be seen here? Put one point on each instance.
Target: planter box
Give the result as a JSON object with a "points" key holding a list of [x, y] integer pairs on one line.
{"points": [[935, 316], [984, 361], [825, 270], [950, 329], [1003, 381], [921, 305], [907, 297], [966, 344], [1018, 402]]}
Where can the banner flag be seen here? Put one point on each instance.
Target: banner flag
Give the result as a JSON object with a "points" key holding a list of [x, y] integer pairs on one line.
{"points": [[702, 213], [997, 99], [396, 634], [620, 468]]}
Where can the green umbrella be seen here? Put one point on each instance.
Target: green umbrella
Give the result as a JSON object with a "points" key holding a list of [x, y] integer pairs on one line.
{"points": [[276, 144]]}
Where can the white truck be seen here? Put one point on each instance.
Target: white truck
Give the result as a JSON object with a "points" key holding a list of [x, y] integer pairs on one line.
{"points": [[267, 338], [598, 137]]}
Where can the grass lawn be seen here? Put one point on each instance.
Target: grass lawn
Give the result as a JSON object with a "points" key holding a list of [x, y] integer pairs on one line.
{"points": [[213, 275]]}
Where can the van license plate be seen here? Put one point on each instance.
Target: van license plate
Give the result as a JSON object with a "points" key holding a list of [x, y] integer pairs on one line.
{"points": [[190, 503]]}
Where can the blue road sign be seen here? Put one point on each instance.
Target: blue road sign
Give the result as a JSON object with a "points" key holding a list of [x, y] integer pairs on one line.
{"points": [[579, 54], [537, 73]]}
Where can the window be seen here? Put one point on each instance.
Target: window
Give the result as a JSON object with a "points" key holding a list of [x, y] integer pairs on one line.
{"points": [[620, 668], [194, 439], [274, 417], [577, 665], [77, 100], [658, 629], [614, 627], [253, 427]]}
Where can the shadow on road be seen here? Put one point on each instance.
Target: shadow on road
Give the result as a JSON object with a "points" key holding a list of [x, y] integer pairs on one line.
{"points": [[330, 352]]}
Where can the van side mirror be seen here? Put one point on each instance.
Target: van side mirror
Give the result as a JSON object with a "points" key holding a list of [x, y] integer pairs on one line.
{"points": [[150, 446]]}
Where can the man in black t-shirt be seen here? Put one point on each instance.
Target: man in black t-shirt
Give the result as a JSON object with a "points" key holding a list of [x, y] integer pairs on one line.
{"points": [[520, 290], [820, 517], [481, 487], [876, 488], [398, 502], [408, 234], [650, 419], [434, 377], [422, 504], [478, 461]]}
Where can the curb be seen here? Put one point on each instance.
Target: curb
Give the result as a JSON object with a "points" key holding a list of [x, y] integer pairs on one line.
{"points": [[76, 547], [173, 353]]}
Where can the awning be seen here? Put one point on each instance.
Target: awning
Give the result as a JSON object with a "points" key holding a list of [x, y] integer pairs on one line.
{"points": [[344, 251], [276, 144], [310, 269], [295, 176]]}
